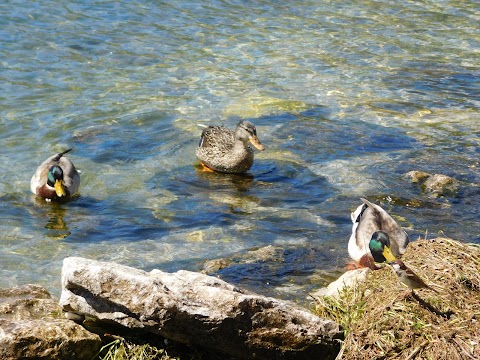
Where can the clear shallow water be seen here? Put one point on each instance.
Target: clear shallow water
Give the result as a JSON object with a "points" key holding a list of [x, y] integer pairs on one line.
{"points": [[347, 98]]}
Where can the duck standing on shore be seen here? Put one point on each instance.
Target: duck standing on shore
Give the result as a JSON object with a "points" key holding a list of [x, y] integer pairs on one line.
{"points": [[56, 178], [226, 151], [376, 236]]}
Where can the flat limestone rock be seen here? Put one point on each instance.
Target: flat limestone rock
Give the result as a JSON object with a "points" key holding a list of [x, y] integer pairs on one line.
{"points": [[196, 309], [32, 326], [348, 279]]}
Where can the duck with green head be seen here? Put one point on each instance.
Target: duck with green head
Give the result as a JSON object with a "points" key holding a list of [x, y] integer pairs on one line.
{"points": [[56, 179], [376, 236], [226, 151]]}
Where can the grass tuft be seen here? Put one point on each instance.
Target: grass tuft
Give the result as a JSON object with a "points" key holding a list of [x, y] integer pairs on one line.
{"points": [[122, 349]]}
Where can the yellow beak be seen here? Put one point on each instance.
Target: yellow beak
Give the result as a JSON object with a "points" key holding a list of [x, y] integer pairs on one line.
{"points": [[256, 142], [388, 254], [59, 188]]}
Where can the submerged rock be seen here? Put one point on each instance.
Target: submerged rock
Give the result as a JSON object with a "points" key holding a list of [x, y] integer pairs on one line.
{"points": [[196, 309], [441, 185], [256, 105], [436, 185], [32, 326], [417, 176], [267, 253]]}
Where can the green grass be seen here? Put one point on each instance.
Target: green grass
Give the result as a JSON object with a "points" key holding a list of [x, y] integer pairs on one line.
{"points": [[121, 349]]}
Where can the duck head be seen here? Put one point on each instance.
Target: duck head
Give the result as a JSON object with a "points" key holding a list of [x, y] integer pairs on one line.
{"points": [[55, 180], [246, 132], [380, 247]]}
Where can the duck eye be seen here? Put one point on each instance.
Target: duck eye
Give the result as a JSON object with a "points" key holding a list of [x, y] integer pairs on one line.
{"points": [[247, 129], [251, 130]]}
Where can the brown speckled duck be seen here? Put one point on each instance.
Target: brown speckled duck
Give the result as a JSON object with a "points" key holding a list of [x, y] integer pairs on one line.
{"points": [[228, 151], [56, 178]]}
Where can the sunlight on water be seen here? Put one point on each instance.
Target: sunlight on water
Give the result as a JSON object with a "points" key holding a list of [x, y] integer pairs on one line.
{"points": [[346, 98]]}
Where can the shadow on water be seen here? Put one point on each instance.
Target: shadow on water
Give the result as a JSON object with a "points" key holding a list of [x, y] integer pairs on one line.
{"points": [[132, 138], [317, 138], [290, 272], [214, 180]]}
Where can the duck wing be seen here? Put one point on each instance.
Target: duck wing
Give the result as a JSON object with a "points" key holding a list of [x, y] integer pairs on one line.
{"points": [[217, 137], [366, 224], [71, 177], [377, 218]]}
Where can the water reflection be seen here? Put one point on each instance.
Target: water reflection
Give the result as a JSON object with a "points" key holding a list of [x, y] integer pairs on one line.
{"points": [[54, 212], [215, 180]]}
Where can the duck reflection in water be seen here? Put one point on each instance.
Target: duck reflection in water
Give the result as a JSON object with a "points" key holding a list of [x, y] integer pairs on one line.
{"points": [[217, 181], [230, 189], [57, 227]]}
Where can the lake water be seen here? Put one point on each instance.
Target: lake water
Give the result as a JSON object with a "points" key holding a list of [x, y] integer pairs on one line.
{"points": [[347, 97]]}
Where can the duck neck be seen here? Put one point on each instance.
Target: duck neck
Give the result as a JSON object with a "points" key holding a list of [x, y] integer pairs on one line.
{"points": [[241, 147], [367, 261]]}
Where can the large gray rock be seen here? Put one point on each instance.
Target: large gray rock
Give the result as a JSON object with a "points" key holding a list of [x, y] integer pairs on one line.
{"points": [[32, 326], [197, 309]]}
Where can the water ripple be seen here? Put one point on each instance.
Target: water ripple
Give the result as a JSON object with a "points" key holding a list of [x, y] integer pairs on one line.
{"points": [[346, 96]]}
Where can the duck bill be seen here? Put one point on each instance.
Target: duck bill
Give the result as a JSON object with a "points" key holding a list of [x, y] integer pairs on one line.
{"points": [[388, 254], [59, 188], [255, 142]]}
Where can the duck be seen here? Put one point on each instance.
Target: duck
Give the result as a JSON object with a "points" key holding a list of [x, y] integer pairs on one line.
{"points": [[56, 178], [226, 151], [386, 238]]}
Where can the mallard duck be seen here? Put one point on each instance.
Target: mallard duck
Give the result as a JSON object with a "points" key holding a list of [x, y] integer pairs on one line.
{"points": [[56, 178], [223, 150], [374, 228]]}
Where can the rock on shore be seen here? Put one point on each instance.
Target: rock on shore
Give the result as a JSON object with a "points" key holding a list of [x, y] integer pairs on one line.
{"points": [[197, 309], [32, 326]]}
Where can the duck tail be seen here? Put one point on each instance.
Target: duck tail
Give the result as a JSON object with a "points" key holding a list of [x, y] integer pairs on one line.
{"points": [[371, 205], [59, 155]]}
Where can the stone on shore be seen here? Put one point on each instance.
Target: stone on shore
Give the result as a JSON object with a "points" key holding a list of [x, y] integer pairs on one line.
{"points": [[32, 326], [349, 279], [196, 309]]}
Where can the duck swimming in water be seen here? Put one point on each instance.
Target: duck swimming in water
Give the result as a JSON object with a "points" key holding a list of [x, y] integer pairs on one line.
{"points": [[226, 151], [56, 178]]}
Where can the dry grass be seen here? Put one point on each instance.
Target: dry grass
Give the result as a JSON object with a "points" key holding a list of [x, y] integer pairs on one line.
{"points": [[384, 320]]}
